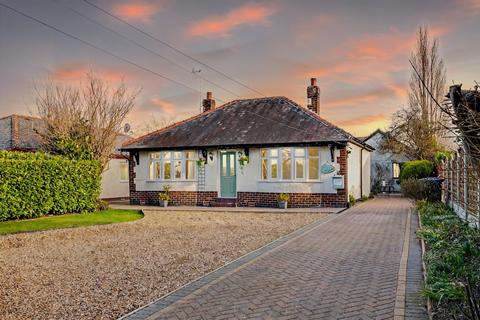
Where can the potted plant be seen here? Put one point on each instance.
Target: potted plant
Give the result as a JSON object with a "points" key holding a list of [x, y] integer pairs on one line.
{"points": [[243, 160], [164, 196], [283, 200], [200, 163]]}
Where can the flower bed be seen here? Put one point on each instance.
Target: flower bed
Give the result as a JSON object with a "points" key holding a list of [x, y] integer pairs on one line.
{"points": [[452, 262]]}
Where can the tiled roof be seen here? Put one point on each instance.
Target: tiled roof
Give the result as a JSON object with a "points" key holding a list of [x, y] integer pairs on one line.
{"points": [[18, 132], [261, 121]]}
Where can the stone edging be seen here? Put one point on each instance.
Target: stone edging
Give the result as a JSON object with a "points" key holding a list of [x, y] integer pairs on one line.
{"points": [[188, 288], [399, 309], [424, 268]]}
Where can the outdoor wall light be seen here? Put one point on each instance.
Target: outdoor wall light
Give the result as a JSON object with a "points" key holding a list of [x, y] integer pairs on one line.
{"points": [[210, 155]]}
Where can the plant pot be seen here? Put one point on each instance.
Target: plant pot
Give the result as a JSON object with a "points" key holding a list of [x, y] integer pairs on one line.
{"points": [[282, 204], [163, 203]]}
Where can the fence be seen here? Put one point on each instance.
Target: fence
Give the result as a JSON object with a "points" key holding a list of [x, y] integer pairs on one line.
{"points": [[461, 188]]}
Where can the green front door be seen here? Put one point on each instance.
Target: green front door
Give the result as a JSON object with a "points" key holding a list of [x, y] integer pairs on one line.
{"points": [[228, 178]]}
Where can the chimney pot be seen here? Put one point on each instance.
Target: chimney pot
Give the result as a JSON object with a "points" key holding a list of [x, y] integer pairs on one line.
{"points": [[209, 95], [313, 81]]}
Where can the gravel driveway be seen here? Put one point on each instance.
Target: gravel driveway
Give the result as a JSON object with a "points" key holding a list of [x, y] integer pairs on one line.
{"points": [[102, 272]]}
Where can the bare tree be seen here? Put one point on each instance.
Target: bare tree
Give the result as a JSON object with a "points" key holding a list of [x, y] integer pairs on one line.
{"points": [[152, 124], [416, 130], [84, 119]]}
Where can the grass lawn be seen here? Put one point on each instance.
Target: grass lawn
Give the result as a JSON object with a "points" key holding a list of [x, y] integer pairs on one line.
{"points": [[69, 221]]}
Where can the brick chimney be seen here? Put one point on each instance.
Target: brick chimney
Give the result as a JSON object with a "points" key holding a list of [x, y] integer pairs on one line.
{"points": [[208, 103], [313, 95]]}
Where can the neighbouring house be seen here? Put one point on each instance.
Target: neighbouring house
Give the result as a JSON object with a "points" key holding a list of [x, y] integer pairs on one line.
{"points": [[20, 133], [385, 166], [247, 152]]}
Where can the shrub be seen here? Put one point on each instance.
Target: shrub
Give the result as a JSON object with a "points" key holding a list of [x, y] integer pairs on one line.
{"points": [[421, 189], [416, 169], [102, 205], [351, 199], [35, 184], [452, 260], [283, 197]]}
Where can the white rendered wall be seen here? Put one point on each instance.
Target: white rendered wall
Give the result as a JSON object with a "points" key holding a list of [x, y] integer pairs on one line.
{"points": [[248, 179], [112, 185], [358, 171]]}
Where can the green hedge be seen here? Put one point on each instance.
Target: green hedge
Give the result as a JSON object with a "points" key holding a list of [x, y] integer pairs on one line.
{"points": [[416, 169], [35, 184], [452, 262]]}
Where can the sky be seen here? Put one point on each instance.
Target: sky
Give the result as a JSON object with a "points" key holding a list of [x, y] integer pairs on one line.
{"points": [[358, 50]]}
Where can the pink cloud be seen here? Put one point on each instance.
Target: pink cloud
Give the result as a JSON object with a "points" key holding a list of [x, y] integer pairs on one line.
{"points": [[390, 91], [138, 10], [369, 58], [249, 14], [76, 71], [472, 6], [361, 121], [165, 106]]}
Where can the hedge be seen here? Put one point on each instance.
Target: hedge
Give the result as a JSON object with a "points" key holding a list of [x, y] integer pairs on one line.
{"points": [[452, 262], [416, 169], [35, 184]]}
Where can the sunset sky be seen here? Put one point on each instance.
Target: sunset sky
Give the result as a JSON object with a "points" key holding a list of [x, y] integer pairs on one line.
{"points": [[358, 50]]}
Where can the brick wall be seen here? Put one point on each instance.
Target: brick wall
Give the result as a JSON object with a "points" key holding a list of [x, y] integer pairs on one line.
{"points": [[178, 198], [297, 200]]}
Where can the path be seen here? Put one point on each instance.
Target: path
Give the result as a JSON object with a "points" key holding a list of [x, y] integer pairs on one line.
{"points": [[348, 266]]}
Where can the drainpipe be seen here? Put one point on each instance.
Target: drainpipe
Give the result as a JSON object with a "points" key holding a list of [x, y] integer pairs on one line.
{"points": [[361, 172]]}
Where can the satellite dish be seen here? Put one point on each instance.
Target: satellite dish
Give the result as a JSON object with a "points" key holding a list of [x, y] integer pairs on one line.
{"points": [[126, 128]]}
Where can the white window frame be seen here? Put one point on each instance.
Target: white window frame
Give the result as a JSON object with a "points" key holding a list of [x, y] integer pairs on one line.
{"points": [[161, 159], [293, 164]]}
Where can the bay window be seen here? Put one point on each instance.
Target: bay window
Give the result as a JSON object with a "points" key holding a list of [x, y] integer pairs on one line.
{"points": [[298, 163], [172, 165]]}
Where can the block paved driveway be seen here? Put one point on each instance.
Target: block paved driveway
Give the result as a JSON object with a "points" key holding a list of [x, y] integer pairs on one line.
{"points": [[344, 267]]}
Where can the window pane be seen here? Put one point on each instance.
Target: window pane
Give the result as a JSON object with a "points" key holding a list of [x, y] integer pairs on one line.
{"points": [[224, 164], [157, 170], [396, 170], [167, 155], [264, 169], [313, 152], [299, 152], [299, 165], [286, 169], [151, 170], [178, 169], [190, 169], [286, 153], [263, 152], [232, 165], [190, 154], [273, 152], [274, 168], [155, 155], [167, 170], [177, 155], [313, 168], [123, 171]]}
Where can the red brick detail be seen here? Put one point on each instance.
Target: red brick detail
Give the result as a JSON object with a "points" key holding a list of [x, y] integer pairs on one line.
{"points": [[131, 174], [297, 200], [342, 159], [178, 198]]}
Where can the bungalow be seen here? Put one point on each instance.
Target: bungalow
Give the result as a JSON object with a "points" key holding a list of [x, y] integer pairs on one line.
{"points": [[20, 133], [385, 166], [246, 152]]}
